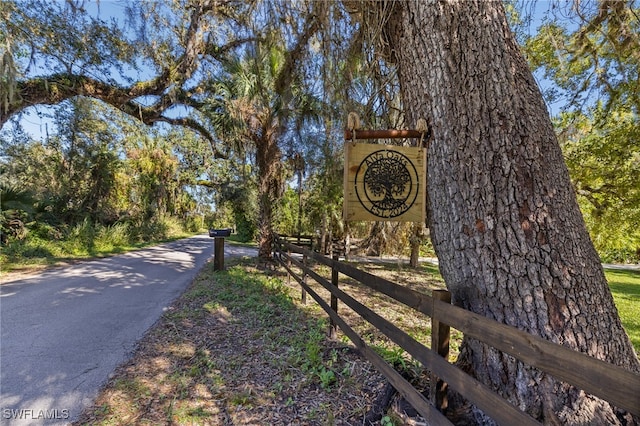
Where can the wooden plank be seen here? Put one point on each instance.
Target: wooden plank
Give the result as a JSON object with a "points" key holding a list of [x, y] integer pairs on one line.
{"points": [[479, 394], [416, 399], [414, 299], [384, 183], [610, 382], [302, 240], [599, 378], [292, 247], [381, 134], [334, 298]]}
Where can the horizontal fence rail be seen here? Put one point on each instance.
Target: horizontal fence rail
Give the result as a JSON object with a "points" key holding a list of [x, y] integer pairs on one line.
{"points": [[415, 398], [604, 380], [298, 240]]}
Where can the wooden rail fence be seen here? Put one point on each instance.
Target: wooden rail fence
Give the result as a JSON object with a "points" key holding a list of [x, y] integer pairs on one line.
{"points": [[601, 379]]}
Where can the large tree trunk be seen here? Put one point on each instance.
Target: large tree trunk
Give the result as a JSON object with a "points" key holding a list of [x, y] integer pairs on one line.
{"points": [[504, 220]]}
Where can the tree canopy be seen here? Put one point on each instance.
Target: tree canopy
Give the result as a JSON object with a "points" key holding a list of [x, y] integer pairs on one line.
{"points": [[161, 62], [230, 108]]}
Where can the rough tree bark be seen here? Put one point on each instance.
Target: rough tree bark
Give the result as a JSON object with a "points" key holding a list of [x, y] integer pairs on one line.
{"points": [[504, 219], [270, 183]]}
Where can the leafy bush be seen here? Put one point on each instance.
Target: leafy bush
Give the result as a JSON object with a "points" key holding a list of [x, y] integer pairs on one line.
{"points": [[192, 224], [45, 231], [246, 229], [32, 249]]}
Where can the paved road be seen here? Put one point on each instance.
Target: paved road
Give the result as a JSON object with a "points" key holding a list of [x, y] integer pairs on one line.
{"points": [[65, 330]]}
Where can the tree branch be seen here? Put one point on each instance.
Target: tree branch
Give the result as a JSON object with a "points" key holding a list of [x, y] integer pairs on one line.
{"points": [[167, 86], [60, 87], [195, 126], [293, 56]]}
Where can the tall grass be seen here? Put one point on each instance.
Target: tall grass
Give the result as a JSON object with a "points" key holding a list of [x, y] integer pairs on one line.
{"points": [[45, 244]]}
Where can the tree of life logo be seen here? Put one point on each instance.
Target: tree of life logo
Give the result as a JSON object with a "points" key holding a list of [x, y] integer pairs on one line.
{"points": [[386, 183]]}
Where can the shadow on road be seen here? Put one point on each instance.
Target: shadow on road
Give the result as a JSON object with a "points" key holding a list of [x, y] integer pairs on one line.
{"points": [[66, 329]]}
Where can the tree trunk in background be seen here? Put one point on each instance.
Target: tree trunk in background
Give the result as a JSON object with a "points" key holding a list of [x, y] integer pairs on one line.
{"points": [[375, 242], [415, 239], [268, 158], [504, 220]]}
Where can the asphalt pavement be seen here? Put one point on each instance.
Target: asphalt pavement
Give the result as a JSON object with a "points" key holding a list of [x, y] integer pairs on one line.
{"points": [[65, 330]]}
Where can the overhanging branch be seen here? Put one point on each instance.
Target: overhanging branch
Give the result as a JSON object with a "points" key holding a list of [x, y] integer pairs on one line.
{"points": [[195, 126]]}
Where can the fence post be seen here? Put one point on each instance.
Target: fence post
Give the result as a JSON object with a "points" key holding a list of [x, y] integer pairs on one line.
{"points": [[277, 247], [333, 328], [440, 343], [288, 266], [274, 247], [304, 279]]}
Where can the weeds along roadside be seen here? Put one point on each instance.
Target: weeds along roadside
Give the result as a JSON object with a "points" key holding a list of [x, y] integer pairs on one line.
{"points": [[239, 347]]}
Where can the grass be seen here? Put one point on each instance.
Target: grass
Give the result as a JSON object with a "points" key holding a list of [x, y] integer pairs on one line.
{"points": [[625, 287], [46, 245], [238, 348]]}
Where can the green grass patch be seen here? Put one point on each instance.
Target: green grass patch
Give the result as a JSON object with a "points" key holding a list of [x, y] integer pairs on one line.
{"points": [[235, 344], [625, 287]]}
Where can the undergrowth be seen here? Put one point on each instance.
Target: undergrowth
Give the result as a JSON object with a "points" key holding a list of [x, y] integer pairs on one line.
{"points": [[45, 244]]}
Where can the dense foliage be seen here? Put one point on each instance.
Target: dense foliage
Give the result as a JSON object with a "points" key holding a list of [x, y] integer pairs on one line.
{"points": [[247, 101], [90, 188], [588, 57]]}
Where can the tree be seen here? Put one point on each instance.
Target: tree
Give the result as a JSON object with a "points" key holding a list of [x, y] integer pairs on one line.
{"points": [[590, 53], [87, 56], [265, 98], [88, 166], [602, 151], [155, 170], [504, 219], [182, 52]]}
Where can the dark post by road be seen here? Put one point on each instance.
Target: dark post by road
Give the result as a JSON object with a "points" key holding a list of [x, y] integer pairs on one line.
{"points": [[218, 248], [218, 254]]}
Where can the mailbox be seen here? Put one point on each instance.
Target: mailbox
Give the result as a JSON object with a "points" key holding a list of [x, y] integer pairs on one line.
{"points": [[219, 232]]}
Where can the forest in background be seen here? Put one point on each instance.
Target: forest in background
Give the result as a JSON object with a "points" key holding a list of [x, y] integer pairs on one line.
{"points": [[248, 134]]}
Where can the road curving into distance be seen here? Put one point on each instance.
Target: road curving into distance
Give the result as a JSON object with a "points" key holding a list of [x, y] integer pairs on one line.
{"points": [[65, 330]]}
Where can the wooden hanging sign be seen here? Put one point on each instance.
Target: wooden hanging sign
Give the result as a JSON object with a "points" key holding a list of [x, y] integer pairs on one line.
{"points": [[384, 182]]}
